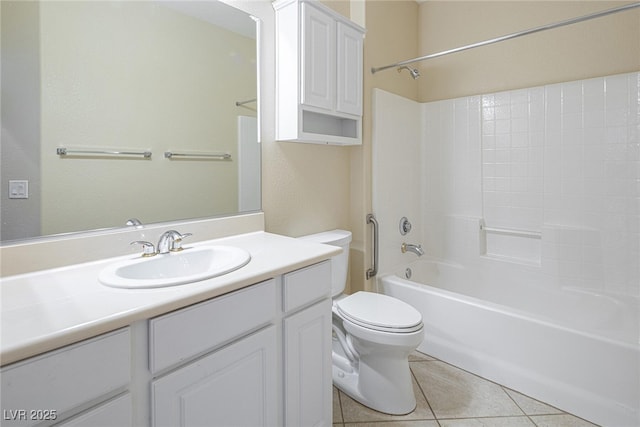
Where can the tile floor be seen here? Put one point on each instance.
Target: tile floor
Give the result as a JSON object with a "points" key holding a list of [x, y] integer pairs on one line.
{"points": [[450, 397]]}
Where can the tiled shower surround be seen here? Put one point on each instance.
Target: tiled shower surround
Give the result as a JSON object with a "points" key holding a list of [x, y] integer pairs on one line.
{"points": [[556, 167], [527, 204]]}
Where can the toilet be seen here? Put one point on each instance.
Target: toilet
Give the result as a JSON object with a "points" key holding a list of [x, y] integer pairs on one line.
{"points": [[373, 335]]}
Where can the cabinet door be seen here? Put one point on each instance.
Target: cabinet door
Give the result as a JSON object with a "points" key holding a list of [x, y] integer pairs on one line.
{"points": [[235, 386], [318, 53], [308, 377], [349, 70]]}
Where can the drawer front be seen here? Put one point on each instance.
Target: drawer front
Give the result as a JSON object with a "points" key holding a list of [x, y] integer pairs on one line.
{"points": [[48, 385], [116, 412], [194, 330], [307, 285]]}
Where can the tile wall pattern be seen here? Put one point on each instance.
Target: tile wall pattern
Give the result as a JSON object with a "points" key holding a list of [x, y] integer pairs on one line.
{"points": [[562, 160]]}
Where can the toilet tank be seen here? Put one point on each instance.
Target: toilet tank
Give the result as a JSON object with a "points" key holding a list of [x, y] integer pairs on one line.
{"points": [[339, 263]]}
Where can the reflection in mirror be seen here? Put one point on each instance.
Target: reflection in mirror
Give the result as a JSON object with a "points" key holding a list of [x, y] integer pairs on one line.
{"points": [[106, 77]]}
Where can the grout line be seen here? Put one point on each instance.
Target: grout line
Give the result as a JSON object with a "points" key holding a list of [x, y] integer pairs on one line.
{"points": [[516, 403], [340, 403], [422, 391]]}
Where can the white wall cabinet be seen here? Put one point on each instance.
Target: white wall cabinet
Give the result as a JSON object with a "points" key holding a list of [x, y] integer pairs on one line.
{"points": [[319, 74], [259, 356]]}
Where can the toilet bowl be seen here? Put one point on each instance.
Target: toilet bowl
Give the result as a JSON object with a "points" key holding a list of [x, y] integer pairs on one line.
{"points": [[373, 335]]}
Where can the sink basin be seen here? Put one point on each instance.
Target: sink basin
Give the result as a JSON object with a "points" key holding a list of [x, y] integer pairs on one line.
{"points": [[176, 268]]}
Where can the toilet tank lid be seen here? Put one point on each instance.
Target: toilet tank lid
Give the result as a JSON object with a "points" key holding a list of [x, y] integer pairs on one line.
{"points": [[333, 237]]}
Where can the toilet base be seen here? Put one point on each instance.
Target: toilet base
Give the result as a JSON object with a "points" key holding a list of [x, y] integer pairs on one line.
{"points": [[394, 399]]}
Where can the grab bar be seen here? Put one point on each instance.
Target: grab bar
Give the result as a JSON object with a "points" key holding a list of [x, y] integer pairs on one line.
{"points": [[374, 269], [511, 232]]}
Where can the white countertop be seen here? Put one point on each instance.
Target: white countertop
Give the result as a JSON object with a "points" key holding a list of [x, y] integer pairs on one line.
{"points": [[49, 309]]}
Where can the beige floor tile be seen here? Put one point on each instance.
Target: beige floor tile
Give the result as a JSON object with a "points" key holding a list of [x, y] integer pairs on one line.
{"points": [[563, 420], [353, 411], [488, 422], [531, 406], [454, 393]]}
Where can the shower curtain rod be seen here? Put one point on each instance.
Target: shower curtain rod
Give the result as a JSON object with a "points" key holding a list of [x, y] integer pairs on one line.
{"points": [[511, 36]]}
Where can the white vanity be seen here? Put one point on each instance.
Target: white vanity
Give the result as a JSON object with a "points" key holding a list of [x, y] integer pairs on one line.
{"points": [[252, 347]]}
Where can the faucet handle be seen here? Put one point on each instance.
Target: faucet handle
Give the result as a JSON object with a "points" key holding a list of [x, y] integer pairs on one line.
{"points": [[147, 247], [177, 242]]}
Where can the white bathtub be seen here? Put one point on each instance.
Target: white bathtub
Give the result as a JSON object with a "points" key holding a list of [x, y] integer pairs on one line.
{"points": [[547, 344]]}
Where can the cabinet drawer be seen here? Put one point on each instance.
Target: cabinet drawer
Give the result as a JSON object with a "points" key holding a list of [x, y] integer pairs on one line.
{"points": [[66, 378], [194, 330], [307, 285], [116, 412]]}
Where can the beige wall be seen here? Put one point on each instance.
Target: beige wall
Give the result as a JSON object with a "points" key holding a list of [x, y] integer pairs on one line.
{"points": [[311, 188], [599, 47], [392, 30], [305, 187]]}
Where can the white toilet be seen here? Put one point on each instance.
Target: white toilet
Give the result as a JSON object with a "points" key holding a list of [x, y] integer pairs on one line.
{"points": [[373, 335]]}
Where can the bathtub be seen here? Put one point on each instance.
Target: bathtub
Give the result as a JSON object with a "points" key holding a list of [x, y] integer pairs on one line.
{"points": [[545, 343]]}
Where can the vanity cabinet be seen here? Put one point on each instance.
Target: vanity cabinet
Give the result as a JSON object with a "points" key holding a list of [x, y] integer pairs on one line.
{"points": [[222, 362], [307, 346], [257, 356], [234, 386], [234, 382], [49, 388], [319, 74]]}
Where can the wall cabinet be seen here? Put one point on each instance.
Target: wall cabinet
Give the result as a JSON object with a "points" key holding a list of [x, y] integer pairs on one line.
{"points": [[319, 74], [259, 356]]}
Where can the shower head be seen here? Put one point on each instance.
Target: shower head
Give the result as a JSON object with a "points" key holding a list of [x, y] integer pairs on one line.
{"points": [[413, 71]]}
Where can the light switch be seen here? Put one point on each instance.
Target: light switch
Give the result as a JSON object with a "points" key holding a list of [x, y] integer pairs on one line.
{"points": [[18, 189]]}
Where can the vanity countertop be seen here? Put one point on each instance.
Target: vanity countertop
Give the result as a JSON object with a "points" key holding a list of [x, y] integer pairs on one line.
{"points": [[49, 309]]}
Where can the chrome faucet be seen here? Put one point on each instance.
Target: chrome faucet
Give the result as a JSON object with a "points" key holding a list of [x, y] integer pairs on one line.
{"points": [[416, 249], [171, 241]]}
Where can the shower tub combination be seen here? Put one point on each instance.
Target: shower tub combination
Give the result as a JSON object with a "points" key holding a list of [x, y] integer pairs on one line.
{"points": [[545, 343]]}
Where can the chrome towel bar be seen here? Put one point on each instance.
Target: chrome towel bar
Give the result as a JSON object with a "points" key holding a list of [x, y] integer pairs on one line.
{"points": [[209, 156], [62, 151], [374, 268], [248, 101]]}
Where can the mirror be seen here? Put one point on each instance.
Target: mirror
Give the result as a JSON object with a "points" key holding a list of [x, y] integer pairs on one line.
{"points": [[89, 87]]}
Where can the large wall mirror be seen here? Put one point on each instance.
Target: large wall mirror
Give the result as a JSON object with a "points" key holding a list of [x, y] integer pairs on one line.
{"points": [[94, 93]]}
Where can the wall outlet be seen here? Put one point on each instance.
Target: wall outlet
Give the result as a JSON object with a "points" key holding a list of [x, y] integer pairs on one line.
{"points": [[18, 189]]}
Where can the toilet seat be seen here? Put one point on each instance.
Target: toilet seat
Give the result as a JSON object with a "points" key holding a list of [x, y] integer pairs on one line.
{"points": [[379, 312]]}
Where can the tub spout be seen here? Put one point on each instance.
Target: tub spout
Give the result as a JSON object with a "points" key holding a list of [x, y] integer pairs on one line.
{"points": [[416, 249]]}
